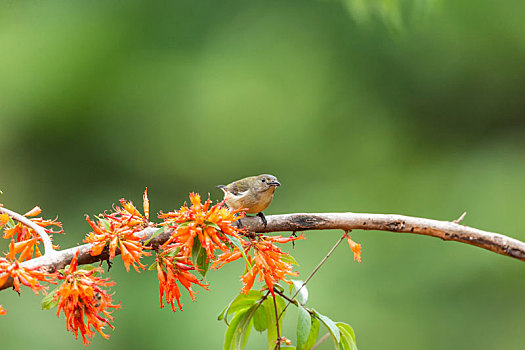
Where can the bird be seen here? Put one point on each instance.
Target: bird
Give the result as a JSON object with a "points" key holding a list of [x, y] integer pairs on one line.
{"points": [[253, 193]]}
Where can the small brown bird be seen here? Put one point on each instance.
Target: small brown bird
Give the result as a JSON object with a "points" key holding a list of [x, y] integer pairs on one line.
{"points": [[254, 194]]}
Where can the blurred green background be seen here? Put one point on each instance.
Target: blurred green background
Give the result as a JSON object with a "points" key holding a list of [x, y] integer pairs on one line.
{"points": [[409, 107]]}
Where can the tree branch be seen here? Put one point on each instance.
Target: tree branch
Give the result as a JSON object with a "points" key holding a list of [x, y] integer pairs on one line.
{"points": [[446, 230]]}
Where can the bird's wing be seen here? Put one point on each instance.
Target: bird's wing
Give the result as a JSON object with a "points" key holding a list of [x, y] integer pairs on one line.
{"points": [[238, 188]]}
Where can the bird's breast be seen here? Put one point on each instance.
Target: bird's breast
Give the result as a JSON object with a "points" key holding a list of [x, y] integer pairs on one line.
{"points": [[261, 203]]}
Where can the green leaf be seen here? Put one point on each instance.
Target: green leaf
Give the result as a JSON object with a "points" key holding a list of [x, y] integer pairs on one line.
{"points": [[269, 310], [259, 320], [230, 331], [246, 334], [243, 330], [287, 258], [10, 224], [302, 296], [173, 252], [270, 319], [238, 331], [314, 332], [88, 267], [304, 324], [344, 344], [47, 302], [185, 223], [158, 232], [212, 224], [153, 266], [332, 328], [239, 302], [347, 336], [199, 257], [278, 288], [105, 223], [203, 263], [235, 241], [346, 328], [281, 303]]}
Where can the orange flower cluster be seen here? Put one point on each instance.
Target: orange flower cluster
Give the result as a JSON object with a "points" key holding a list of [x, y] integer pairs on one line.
{"points": [[84, 303], [10, 267], [2, 311], [172, 266], [267, 261], [211, 226], [22, 232], [118, 230], [355, 247]]}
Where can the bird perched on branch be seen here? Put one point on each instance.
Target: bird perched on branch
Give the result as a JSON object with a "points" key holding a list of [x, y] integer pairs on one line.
{"points": [[254, 194]]}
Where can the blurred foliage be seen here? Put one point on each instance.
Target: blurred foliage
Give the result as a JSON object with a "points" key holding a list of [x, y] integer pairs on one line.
{"points": [[396, 14], [384, 106]]}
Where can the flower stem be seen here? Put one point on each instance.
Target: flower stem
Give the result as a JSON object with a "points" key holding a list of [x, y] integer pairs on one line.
{"points": [[277, 317]]}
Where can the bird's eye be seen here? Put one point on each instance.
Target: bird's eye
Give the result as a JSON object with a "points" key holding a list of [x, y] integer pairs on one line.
{"points": [[263, 180]]}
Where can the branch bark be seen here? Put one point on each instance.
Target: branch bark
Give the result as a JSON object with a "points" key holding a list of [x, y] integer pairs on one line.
{"points": [[446, 230]]}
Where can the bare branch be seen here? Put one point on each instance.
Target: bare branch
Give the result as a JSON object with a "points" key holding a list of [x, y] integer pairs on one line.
{"points": [[446, 230]]}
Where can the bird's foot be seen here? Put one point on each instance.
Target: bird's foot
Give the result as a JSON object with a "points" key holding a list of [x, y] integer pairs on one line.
{"points": [[293, 235], [238, 223], [263, 218], [110, 264]]}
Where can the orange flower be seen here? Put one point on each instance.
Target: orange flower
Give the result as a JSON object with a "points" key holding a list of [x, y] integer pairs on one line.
{"points": [[2, 310], [355, 247], [210, 225], [84, 303], [145, 203], [26, 248], [34, 212], [22, 232], [4, 219], [118, 230], [10, 267], [267, 261], [172, 266]]}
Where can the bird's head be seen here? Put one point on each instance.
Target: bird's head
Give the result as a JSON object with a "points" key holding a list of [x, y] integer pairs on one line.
{"points": [[265, 182]]}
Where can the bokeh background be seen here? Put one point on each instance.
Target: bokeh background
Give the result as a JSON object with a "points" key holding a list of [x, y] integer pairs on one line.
{"points": [[410, 107]]}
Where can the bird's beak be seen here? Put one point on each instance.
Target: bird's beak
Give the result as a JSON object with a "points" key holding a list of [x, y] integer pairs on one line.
{"points": [[221, 186], [274, 183]]}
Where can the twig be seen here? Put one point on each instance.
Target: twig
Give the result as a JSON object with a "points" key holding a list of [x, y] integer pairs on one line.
{"points": [[314, 272], [458, 220], [48, 245], [446, 230], [323, 338], [278, 344], [293, 301]]}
